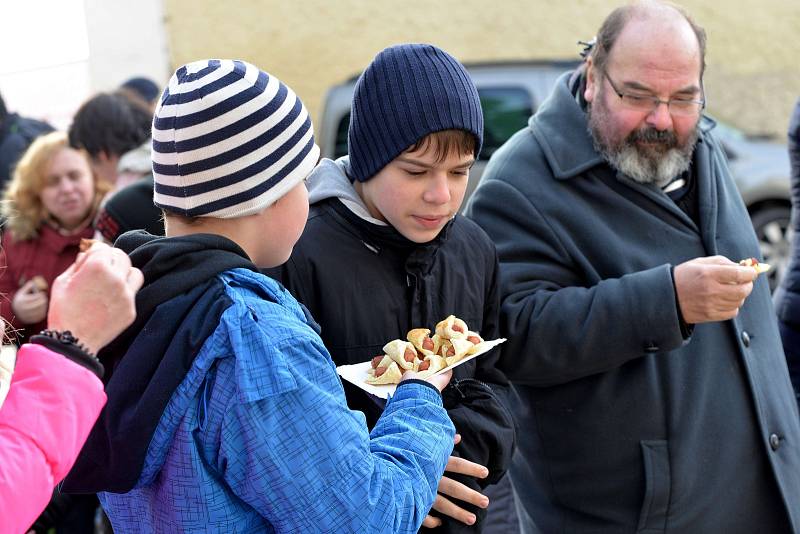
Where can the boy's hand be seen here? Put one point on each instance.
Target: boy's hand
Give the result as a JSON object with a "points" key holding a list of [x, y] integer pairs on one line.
{"points": [[449, 487], [440, 381]]}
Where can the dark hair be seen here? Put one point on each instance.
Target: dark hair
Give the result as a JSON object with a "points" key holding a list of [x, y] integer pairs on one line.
{"points": [[615, 22], [3, 110], [184, 219], [110, 123], [145, 88], [446, 142]]}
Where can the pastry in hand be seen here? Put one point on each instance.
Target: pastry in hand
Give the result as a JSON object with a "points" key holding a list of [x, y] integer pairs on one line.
{"points": [[86, 244], [422, 342], [40, 283], [476, 340], [760, 267], [456, 350], [384, 375], [402, 352], [430, 365]]}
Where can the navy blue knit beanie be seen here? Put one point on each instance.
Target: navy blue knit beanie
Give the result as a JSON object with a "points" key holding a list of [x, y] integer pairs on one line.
{"points": [[406, 93]]}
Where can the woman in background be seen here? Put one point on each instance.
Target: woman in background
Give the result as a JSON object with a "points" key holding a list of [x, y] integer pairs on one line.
{"points": [[49, 206]]}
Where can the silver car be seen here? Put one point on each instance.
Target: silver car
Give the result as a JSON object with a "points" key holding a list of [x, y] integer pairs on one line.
{"points": [[511, 91]]}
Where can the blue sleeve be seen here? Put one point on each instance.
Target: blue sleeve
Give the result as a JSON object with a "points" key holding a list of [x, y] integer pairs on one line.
{"points": [[306, 463]]}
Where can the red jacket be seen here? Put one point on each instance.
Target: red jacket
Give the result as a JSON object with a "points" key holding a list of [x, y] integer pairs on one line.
{"points": [[50, 409], [47, 255]]}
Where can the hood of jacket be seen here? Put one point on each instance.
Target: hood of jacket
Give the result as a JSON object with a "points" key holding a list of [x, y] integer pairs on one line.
{"points": [[330, 180], [177, 309]]}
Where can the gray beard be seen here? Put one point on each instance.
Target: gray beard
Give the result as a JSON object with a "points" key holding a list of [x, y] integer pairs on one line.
{"points": [[658, 164]]}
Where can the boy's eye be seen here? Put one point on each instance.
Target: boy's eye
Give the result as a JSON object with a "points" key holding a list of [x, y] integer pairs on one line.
{"points": [[414, 172]]}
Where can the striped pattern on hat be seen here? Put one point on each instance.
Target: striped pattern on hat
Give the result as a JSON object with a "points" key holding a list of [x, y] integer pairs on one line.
{"points": [[228, 140]]}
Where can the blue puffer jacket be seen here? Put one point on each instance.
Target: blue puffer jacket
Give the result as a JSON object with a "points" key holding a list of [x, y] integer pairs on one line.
{"points": [[257, 436]]}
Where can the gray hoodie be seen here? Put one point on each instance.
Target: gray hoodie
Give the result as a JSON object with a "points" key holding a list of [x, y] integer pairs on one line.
{"points": [[330, 180]]}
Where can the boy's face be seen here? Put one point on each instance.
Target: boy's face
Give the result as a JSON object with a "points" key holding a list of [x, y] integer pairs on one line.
{"points": [[417, 194]]}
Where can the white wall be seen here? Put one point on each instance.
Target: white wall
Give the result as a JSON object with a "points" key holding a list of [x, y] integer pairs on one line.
{"points": [[54, 54], [126, 38]]}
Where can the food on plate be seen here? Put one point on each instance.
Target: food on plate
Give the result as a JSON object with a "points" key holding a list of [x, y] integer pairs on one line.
{"points": [[454, 350], [760, 267], [388, 374], [402, 352], [422, 341], [430, 365], [452, 328], [476, 340], [423, 353]]}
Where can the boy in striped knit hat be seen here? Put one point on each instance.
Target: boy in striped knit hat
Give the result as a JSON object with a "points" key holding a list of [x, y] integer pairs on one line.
{"points": [[384, 252], [225, 413]]}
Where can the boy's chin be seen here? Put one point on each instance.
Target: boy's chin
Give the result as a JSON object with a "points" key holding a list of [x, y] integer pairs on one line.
{"points": [[420, 236]]}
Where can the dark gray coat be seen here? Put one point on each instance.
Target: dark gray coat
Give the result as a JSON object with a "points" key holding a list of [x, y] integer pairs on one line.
{"points": [[626, 426]]}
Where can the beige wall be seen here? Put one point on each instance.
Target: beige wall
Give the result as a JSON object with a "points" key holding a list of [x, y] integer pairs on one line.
{"points": [[752, 81]]}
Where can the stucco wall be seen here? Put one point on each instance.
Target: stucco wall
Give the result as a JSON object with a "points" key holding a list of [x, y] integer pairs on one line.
{"points": [[752, 81]]}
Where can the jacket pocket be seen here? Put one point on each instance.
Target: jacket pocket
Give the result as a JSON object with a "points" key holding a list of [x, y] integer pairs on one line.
{"points": [[653, 516]]}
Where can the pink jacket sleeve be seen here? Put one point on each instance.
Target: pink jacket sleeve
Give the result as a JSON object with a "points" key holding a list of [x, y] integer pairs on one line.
{"points": [[50, 409]]}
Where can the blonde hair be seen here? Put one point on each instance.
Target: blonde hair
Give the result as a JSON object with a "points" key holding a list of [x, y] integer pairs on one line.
{"points": [[22, 202]]}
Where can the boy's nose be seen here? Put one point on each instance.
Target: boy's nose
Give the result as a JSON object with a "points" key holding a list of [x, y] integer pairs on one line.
{"points": [[438, 191]]}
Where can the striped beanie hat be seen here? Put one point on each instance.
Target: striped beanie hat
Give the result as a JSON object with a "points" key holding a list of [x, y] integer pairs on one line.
{"points": [[228, 141], [408, 92]]}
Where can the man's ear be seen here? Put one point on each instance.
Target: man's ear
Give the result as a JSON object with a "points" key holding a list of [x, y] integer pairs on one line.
{"points": [[592, 80]]}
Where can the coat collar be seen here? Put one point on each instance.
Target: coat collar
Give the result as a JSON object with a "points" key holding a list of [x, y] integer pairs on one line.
{"points": [[560, 127]]}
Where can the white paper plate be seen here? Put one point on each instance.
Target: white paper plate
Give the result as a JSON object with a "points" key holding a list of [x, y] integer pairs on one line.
{"points": [[357, 373]]}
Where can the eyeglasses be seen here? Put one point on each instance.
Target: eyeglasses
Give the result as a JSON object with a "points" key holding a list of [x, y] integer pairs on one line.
{"points": [[680, 107]]}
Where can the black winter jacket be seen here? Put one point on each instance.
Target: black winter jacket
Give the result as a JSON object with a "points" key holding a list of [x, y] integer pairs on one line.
{"points": [[366, 285]]}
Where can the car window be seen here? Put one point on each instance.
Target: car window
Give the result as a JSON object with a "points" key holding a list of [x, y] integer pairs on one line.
{"points": [[505, 111], [340, 149]]}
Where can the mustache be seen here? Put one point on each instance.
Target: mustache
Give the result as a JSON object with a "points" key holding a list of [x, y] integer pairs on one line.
{"points": [[653, 136]]}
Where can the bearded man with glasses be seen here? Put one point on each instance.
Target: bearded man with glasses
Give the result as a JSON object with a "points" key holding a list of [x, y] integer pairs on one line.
{"points": [[650, 385]]}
